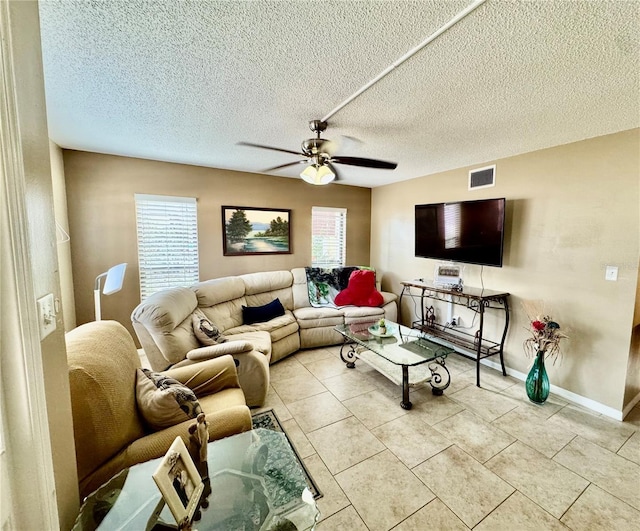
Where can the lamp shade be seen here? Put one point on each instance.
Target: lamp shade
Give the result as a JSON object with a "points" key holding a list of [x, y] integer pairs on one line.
{"points": [[113, 284], [115, 278], [317, 175]]}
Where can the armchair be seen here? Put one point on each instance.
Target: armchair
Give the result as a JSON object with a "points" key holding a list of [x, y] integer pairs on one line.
{"points": [[110, 434]]}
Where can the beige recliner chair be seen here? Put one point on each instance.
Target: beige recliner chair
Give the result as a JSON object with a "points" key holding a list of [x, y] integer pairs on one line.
{"points": [[110, 434], [163, 324]]}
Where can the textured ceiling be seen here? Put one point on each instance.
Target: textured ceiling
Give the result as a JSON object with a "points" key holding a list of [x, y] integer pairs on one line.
{"points": [[186, 81]]}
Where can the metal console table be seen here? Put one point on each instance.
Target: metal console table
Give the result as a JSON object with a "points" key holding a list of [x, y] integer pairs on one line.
{"points": [[474, 346]]}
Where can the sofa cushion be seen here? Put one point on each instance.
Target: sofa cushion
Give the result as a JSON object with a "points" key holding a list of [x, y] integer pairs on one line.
{"points": [[260, 339], [217, 290], [360, 314], [299, 289], [277, 328], [266, 281], [165, 317], [166, 309], [284, 331], [318, 317], [164, 401], [227, 314], [261, 314], [261, 288], [207, 332]]}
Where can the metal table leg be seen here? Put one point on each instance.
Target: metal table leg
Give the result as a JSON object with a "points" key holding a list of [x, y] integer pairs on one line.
{"points": [[350, 357], [405, 404]]}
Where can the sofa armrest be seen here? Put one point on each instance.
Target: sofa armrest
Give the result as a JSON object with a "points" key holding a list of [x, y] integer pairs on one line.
{"points": [[388, 297], [231, 420], [208, 376], [222, 349]]}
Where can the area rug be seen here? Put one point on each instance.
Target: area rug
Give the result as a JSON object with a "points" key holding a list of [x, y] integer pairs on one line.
{"points": [[268, 420]]}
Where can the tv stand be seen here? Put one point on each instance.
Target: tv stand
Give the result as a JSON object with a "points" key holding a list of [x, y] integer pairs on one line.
{"points": [[471, 345]]}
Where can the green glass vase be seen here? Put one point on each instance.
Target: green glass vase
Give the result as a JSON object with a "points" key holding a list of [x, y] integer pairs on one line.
{"points": [[537, 381]]}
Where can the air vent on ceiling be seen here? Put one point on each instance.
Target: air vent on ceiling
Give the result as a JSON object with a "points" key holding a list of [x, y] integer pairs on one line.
{"points": [[482, 177]]}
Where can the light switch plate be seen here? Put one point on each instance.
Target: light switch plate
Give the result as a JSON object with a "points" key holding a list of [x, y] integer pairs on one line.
{"points": [[46, 315], [611, 273]]}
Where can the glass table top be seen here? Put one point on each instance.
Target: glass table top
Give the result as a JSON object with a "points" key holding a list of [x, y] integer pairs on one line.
{"points": [[255, 484], [400, 345]]}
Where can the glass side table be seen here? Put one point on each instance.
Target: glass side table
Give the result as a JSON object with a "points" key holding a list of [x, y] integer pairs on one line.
{"points": [[255, 483]]}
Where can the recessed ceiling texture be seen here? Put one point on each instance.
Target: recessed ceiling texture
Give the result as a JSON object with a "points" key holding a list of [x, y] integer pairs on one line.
{"points": [[186, 81]]}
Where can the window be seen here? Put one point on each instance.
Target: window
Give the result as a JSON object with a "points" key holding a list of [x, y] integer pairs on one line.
{"points": [[328, 236], [167, 242]]}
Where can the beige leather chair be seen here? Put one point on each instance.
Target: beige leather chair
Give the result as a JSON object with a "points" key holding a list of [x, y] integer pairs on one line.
{"points": [[163, 324], [109, 432]]}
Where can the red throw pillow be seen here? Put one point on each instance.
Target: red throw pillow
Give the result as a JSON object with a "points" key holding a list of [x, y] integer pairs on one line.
{"points": [[361, 290]]}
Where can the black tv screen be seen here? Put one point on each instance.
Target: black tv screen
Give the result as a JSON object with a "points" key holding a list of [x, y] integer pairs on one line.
{"points": [[466, 231]]}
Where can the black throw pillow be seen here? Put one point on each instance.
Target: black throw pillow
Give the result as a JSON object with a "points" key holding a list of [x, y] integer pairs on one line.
{"points": [[261, 314]]}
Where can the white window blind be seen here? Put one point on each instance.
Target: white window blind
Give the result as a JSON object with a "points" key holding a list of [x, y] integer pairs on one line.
{"points": [[328, 236], [167, 242], [452, 225]]}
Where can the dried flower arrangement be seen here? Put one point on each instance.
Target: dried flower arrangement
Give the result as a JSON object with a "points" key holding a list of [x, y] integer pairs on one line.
{"points": [[545, 332]]}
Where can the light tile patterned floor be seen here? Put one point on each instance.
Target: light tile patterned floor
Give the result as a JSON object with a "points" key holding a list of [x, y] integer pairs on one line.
{"points": [[483, 459]]}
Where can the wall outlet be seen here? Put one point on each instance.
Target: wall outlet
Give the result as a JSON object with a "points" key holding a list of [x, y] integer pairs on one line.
{"points": [[611, 273], [46, 315], [455, 320]]}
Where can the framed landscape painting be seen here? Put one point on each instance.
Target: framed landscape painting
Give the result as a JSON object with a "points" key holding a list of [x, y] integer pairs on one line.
{"points": [[250, 230]]}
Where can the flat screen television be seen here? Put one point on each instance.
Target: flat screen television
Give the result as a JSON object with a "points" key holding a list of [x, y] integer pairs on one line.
{"points": [[471, 232]]}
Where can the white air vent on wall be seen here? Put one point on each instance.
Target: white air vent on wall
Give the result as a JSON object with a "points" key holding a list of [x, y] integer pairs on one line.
{"points": [[482, 177]]}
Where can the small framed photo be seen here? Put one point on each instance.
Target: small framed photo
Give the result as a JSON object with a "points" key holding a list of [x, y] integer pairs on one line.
{"points": [[179, 482], [447, 275], [250, 230]]}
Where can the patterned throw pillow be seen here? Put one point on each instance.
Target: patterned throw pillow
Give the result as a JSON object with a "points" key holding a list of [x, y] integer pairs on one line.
{"points": [[207, 333], [164, 401]]}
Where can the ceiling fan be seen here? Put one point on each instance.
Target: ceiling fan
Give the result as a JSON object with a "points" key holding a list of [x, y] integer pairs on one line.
{"points": [[316, 154]]}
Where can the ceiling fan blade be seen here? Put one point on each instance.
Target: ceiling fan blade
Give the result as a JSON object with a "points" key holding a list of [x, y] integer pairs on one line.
{"points": [[367, 163], [287, 164], [262, 146]]}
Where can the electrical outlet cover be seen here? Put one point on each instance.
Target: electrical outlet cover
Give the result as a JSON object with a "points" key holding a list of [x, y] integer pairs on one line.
{"points": [[46, 315], [611, 273]]}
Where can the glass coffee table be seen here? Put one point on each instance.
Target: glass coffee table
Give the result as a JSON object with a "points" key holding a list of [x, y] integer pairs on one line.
{"points": [[255, 483], [399, 353]]}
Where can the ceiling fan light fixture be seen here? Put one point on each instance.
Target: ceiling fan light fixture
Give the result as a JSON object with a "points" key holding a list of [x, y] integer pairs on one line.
{"points": [[317, 175]]}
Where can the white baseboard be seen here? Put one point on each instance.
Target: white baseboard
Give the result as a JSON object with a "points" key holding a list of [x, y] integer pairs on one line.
{"points": [[571, 397]]}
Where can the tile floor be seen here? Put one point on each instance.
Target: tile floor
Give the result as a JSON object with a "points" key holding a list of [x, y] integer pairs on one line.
{"points": [[475, 458]]}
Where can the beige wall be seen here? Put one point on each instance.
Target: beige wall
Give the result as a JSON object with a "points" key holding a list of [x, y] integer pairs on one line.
{"points": [[633, 370], [41, 243], [100, 198], [571, 210], [63, 242]]}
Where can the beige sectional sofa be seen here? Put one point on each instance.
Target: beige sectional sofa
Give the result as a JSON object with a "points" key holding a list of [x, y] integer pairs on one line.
{"points": [[163, 323]]}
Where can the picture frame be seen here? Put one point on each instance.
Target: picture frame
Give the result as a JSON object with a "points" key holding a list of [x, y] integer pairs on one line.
{"points": [[255, 231], [179, 483], [447, 275]]}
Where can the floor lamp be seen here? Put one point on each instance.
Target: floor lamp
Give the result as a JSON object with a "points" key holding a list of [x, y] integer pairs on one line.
{"points": [[113, 283]]}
